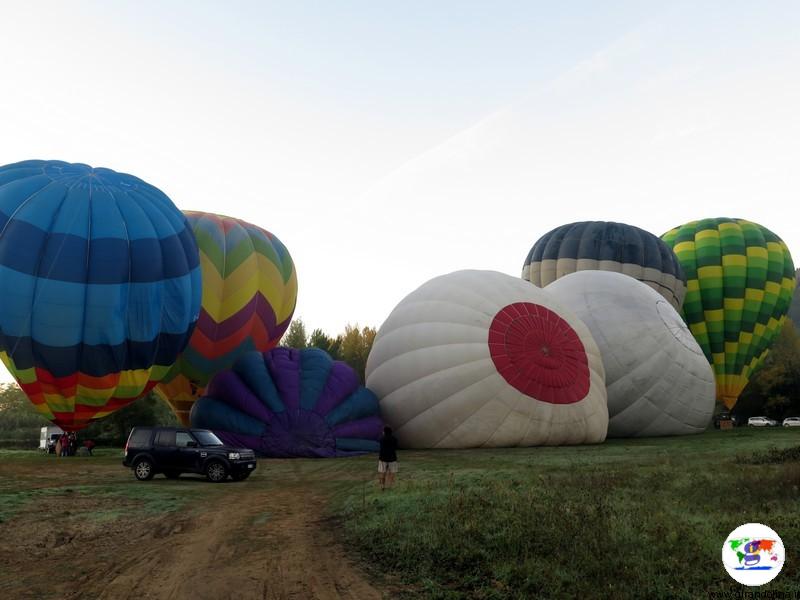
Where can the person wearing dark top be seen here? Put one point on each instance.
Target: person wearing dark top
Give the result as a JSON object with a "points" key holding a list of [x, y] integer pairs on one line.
{"points": [[387, 459]]}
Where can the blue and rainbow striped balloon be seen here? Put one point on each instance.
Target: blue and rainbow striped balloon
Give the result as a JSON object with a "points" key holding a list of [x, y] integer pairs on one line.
{"points": [[99, 287]]}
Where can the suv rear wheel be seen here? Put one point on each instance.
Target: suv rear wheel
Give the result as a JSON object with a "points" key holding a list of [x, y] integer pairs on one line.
{"points": [[143, 469], [216, 471]]}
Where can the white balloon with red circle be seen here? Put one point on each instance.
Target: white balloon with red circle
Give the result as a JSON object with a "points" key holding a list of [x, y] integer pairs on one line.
{"points": [[482, 359]]}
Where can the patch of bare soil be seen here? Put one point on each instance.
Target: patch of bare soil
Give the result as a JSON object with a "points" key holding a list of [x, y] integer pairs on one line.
{"points": [[248, 543], [269, 545]]}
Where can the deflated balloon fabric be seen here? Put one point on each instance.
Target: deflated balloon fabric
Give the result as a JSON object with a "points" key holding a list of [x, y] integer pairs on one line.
{"points": [[291, 403], [658, 381]]}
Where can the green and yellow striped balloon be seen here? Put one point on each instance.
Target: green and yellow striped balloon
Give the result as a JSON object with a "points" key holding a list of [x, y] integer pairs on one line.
{"points": [[739, 283]]}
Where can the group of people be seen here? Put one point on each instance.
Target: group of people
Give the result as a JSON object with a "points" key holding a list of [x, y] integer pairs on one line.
{"points": [[67, 444]]}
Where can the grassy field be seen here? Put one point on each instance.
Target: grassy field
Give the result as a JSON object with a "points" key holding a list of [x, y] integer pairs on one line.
{"points": [[625, 519]]}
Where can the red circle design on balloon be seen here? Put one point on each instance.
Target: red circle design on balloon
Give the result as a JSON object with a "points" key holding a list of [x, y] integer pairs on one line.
{"points": [[539, 353]]}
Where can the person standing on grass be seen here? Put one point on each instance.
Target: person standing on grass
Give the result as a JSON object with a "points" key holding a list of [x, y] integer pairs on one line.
{"points": [[64, 444], [387, 459]]}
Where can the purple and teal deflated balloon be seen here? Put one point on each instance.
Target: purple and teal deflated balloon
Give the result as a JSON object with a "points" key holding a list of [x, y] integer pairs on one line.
{"points": [[291, 403]]}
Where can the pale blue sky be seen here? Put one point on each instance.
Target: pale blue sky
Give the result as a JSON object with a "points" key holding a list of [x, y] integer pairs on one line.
{"points": [[389, 142]]}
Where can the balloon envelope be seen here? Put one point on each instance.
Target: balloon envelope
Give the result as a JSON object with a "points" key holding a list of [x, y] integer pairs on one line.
{"points": [[606, 246], [100, 287], [249, 295], [288, 403], [658, 380], [479, 358], [740, 281]]}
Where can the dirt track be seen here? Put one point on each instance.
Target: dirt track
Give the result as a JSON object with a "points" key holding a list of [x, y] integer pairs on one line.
{"points": [[222, 555], [243, 542]]}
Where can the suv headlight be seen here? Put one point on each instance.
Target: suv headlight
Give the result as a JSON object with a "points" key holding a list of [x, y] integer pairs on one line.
{"points": [[233, 456]]}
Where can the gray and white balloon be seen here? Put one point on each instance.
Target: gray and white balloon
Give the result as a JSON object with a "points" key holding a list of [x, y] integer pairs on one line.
{"points": [[659, 382]]}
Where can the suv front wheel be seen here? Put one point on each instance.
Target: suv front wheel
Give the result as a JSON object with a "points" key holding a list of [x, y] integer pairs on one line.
{"points": [[143, 469], [216, 471]]}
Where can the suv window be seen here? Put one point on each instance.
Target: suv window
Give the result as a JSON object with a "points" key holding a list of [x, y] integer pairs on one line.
{"points": [[139, 438], [182, 439], [165, 438], [207, 438]]}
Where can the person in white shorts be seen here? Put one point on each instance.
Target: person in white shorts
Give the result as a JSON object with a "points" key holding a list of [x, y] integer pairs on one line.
{"points": [[387, 459]]}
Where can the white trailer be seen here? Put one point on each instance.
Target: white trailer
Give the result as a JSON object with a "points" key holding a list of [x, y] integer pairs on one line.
{"points": [[48, 434]]}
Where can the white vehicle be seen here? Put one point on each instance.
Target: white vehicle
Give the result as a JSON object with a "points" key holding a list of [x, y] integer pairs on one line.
{"points": [[48, 437], [791, 422], [760, 422]]}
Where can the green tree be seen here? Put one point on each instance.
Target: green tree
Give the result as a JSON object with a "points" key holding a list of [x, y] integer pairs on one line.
{"points": [[18, 418], [355, 347], [319, 339], [296, 337], [352, 346]]}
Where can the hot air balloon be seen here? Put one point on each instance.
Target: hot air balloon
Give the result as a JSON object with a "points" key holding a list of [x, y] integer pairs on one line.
{"points": [[291, 403], [794, 304], [249, 295], [740, 279], [606, 246], [480, 358], [658, 380], [100, 287]]}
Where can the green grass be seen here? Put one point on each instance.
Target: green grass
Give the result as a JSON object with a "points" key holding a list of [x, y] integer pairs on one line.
{"points": [[33, 455], [626, 519], [62, 482]]}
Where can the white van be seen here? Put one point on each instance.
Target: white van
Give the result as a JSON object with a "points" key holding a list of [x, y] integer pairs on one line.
{"points": [[48, 438]]}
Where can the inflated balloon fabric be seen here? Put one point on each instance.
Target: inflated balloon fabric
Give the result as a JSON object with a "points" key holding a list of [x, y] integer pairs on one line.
{"points": [[658, 380], [479, 358], [288, 403], [100, 287], [740, 282], [606, 246], [249, 295]]}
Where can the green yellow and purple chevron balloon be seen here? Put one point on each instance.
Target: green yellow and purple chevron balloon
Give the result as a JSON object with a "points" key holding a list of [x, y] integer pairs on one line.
{"points": [[249, 295], [740, 279]]}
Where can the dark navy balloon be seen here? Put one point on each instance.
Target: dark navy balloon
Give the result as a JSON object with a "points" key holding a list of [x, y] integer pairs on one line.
{"points": [[606, 246], [287, 403], [99, 287]]}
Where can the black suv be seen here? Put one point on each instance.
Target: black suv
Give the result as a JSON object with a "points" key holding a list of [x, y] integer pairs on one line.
{"points": [[174, 450]]}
